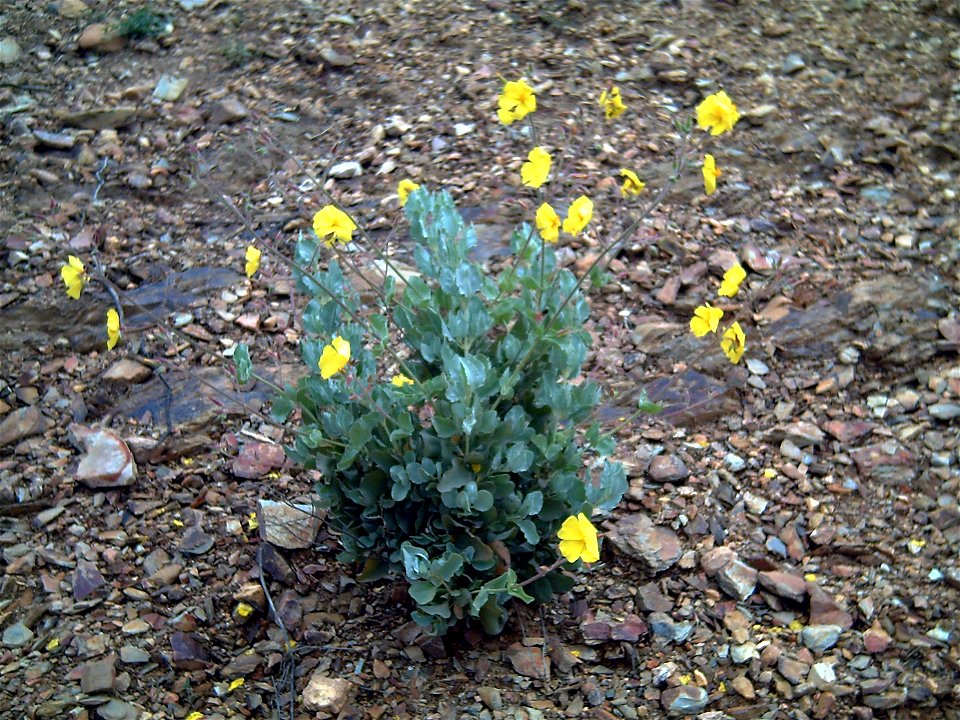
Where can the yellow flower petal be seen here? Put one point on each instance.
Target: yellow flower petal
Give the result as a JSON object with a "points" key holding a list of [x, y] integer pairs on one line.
{"points": [[74, 276], [334, 357], [515, 102], [234, 684], [705, 320], [733, 343], [534, 172], [404, 188], [244, 610], [548, 223], [631, 183], [717, 113], [400, 380], [253, 260], [195, 715], [578, 540], [252, 522], [710, 174], [731, 281], [578, 216], [332, 224], [612, 103], [113, 328]]}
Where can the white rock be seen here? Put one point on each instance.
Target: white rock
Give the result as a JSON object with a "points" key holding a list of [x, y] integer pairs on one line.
{"points": [[461, 129], [326, 694], [344, 170], [169, 88], [9, 51], [108, 462]]}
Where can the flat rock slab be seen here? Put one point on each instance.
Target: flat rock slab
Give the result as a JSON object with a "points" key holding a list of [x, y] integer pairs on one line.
{"points": [[101, 118], [286, 525]]}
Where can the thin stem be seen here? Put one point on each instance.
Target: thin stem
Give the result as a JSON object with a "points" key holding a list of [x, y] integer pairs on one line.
{"points": [[543, 572]]}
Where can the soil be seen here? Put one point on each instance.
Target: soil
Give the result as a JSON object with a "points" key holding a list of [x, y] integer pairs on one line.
{"points": [[789, 544]]}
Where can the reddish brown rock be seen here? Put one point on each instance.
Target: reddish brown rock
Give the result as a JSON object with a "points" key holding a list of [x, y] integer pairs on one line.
{"points": [[784, 584]]}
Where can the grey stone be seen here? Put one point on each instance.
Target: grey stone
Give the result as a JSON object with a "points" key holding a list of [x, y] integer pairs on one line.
{"points": [[115, 709], [9, 51], [228, 110], [738, 580], [286, 525], [17, 635], [944, 411], [820, 638], [99, 676], [662, 625], [822, 675], [684, 700], [742, 654], [19, 424], [793, 63], [101, 118], [132, 655], [667, 469]]}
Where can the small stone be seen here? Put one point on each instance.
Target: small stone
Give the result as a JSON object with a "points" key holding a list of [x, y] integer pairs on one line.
{"points": [[188, 653], [662, 625], [86, 580], [887, 700], [228, 110], [820, 638], [337, 59], [326, 694], [734, 462], [72, 9], [274, 564], [822, 675], [99, 676], [793, 63], [684, 700], [256, 459], [137, 626], [491, 697], [876, 639], [115, 709], [742, 654], [20, 424], [657, 548], [738, 580], [58, 141], [396, 126], [169, 89], [461, 129], [10, 51], [166, 575], [286, 525], [529, 661], [793, 670], [742, 685], [713, 561], [757, 366], [667, 469], [108, 462], [824, 610], [100, 37], [128, 371], [784, 584], [776, 546], [650, 599], [346, 170], [17, 635], [132, 655], [944, 411]]}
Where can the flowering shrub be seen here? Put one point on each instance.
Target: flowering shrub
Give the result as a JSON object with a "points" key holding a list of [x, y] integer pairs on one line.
{"points": [[451, 425]]}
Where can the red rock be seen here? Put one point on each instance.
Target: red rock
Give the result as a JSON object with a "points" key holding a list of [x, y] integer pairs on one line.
{"points": [[667, 295], [529, 661], [848, 431], [713, 561], [22, 423], [784, 584], [824, 610], [876, 640], [256, 459]]}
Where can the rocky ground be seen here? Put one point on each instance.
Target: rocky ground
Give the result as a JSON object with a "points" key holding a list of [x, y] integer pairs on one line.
{"points": [[789, 544]]}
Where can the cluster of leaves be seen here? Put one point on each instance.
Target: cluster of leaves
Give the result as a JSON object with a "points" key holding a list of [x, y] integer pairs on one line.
{"points": [[144, 22], [459, 475]]}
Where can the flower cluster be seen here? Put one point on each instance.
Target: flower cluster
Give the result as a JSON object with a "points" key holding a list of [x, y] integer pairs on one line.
{"points": [[75, 278], [716, 114], [706, 318]]}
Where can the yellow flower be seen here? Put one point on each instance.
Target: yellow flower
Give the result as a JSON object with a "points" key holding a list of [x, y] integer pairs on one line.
{"points": [[516, 102], [731, 281], [548, 223], [534, 172], [331, 220], [710, 174], [74, 276], [244, 610], [113, 328], [578, 216], [195, 715], [400, 380], [578, 540], [717, 113], [253, 260], [234, 684], [404, 188], [334, 358], [252, 522], [611, 103], [631, 183], [705, 319], [733, 343]]}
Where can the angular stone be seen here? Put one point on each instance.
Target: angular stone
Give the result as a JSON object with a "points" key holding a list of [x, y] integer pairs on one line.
{"points": [[684, 700], [887, 700], [108, 462], [738, 580], [326, 694], [824, 610], [820, 638], [188, 653], [286, 525], [667, 469], [115, 709], [101, 118], [242, 664], [889, 462], [132, 655], [99, 676], [128, 371], [195, 541], [346, 170], [783, 584], [742, 685], [793, 670], [228, 110], [86, 580], [713, 561], [657, 548], [274, 564], [822, 675], [876, 639], [650, 599], [19, 424], [847, 432], [529, 661], [16, 635]]}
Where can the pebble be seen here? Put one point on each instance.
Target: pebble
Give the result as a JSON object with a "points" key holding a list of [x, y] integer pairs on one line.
{"points": [[9, 51], [667, 469], [86, 580], [99, 676], [72, 9], [782, 584], [944, 411], [656, 547], [734, 462], [742, 685], [793, 670], [128, 371], [132, 655], [822, 675], [228, 110], [115, 709], [757, 366], [742, 654], [684, 700], [491, 697], [137, 626], [876, 639], [738, 580], [326, 694], [287, 525], [820, 638], [100, 37], [188, 653], [461, 129], [16, 635], [169, 88], [346, 170], [19, 424], [650, 599], [793, 63]]}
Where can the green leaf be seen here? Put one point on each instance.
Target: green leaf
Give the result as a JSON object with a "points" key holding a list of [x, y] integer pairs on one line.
{"points": [[645, 405], [242, 364], [422, 591], [606, 493], [454, 478], [519, 458], [448, 566], [281, 407]]}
